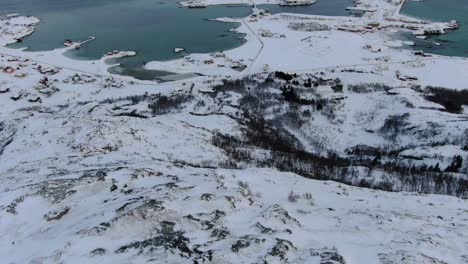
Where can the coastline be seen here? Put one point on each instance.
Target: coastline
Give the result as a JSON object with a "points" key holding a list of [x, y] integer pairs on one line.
{"points": [[359, 58], [403, 2], [57, 57], [248, 55], [314, 142], [20, 27]]}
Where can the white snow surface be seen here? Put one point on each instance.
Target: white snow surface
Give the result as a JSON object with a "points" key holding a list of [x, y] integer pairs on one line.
{"points": [[58, 203], [83, 181], [14, 27]]}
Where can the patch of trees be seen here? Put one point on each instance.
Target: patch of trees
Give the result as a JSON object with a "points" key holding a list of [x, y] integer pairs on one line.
{"points": [[271, 109], [394, 125], [287, 154], [456, 164], [338, 87], [285, 76], [237, 85], [134, 99], [259, 96], [291, 95], [133, 113], [158, 104], [267, 132], [452, 100], [364, 150], [164, 104], [368, 88]]}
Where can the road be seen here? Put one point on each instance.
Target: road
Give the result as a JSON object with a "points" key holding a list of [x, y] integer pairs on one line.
{"points": [[262, 45]]}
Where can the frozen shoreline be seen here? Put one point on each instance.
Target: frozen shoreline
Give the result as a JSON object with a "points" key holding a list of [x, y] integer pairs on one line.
{"points": [[97, 169], [18, 27], [267, 34], [368, 47]]}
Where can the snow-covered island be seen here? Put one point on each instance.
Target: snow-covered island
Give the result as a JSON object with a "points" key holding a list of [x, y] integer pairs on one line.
{"points": [[13, 27], [317, 141]]}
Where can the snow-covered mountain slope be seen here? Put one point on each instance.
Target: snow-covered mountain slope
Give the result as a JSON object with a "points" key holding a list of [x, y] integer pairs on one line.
{"points": [[107, 171], [269, 168], [141, 211]]}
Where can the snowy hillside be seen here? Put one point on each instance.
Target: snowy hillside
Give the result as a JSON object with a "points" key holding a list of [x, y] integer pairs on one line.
{"points": [[363, 162], [129, 173]]}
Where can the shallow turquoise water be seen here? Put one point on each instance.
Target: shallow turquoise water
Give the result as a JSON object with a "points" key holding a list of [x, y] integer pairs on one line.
{"points": [[454, 43]]}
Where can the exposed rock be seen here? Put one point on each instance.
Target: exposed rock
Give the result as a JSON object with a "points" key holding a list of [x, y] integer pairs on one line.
{"points": [[167, 240], [220, 233], [281, 249], [328, 256], [405, 257], [57, 214], [280, 214], [97, 252], [245, 242]]}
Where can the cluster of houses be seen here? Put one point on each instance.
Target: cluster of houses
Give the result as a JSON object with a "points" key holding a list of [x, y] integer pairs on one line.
{"points": [[258, 13], [421, 29], [47, 70], [266, 33], [112, 53], [80, 79], [14, 67], [46, 86], [308, 26], [237, 65], [111, 82], [422, 53], [403, 77], [369, 27]]}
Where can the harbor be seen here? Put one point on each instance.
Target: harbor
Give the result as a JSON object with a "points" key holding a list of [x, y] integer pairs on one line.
{"points": [[454, 43]]}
